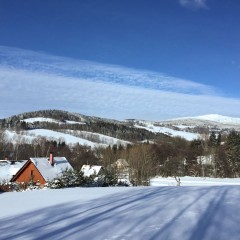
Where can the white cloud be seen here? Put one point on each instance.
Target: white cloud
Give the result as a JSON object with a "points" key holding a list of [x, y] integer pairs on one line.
{"points": [[194, 4], [39, 62], [32, 82]]}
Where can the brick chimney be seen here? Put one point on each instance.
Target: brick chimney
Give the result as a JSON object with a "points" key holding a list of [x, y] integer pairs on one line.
{"points": [[51, 159]]}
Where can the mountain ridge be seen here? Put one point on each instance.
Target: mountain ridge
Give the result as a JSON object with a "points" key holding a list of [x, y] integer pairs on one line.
{"points": [[132, 130]]}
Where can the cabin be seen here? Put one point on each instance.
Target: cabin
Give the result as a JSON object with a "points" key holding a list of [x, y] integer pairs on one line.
{"points": [[41, 170]]}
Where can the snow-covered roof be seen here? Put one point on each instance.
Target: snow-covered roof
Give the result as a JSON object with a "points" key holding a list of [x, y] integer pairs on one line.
{"points": [[48, 171], [9, 168], [89, 170]]}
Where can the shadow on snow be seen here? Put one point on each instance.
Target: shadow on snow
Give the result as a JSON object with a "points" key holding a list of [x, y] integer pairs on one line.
{"points": [[147, 213]]}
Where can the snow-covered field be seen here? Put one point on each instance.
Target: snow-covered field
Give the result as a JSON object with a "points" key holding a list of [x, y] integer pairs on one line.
{"points": [[194, 181], [138, 213]]}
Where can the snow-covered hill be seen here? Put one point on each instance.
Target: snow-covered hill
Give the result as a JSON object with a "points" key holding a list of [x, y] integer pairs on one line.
{"points": [[133, 213], [219, 119], [77, 128], [62, 131], [206, 120], [68, 137], [191, 128]]}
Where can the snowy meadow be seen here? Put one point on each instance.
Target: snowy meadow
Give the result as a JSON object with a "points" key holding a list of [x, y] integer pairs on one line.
{"points": [[155, 212]]}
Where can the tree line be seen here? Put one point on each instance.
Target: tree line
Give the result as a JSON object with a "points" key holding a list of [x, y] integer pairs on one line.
{"points": [[215, 156]]}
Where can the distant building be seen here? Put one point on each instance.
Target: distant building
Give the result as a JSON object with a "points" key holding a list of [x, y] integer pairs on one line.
{"points": [[122, 170]]}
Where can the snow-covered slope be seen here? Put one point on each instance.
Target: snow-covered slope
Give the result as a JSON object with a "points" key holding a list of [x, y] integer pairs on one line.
{"points": [[54, 135], [99, 138], [219, 119], [170, 132], [30, 135], [68, 137], [131, 213], [50, 120], [192, 127], [39, 119], [206, 120]]}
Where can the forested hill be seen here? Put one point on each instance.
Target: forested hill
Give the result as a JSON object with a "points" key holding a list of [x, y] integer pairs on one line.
{"points": [[130, 130], [54, 114], [57, 119]]}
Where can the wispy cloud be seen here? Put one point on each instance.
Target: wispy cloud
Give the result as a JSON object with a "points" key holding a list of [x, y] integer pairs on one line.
{"points": [[40, 62], [194, 4], [33, 81]]}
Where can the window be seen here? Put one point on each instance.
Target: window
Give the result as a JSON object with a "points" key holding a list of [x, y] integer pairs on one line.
{"points": [[32, 175]]}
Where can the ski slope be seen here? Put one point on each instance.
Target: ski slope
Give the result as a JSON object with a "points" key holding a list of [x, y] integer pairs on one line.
{"points": [[133, 213]]}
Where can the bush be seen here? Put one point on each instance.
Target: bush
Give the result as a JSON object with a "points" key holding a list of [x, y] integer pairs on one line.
{"points": [[69, 178], [13, 186], [107, 179], [73, 178]]}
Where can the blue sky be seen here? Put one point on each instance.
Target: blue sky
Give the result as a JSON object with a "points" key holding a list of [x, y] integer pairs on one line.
{"points": [[149, 59]]}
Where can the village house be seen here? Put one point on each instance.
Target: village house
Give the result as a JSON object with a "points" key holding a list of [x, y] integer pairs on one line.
{"points": [[122, 171], [41, 170]]}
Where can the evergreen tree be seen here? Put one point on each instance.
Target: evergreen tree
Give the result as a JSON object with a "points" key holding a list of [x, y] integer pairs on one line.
{"points": [[233, 153]]}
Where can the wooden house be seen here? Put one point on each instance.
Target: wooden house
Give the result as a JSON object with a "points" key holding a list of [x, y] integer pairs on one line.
{"points": [[41, 170]]}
